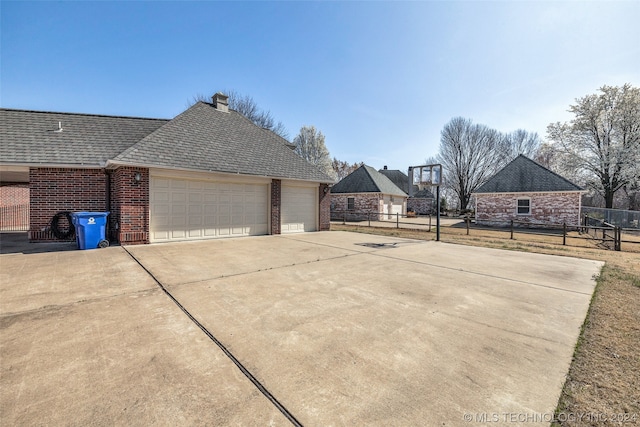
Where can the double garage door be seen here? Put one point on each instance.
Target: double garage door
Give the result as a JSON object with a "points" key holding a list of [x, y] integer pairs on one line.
{"points": [[193, 209]]}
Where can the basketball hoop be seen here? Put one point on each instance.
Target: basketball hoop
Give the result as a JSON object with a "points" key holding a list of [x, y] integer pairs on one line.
{"points": [[428, 176]]}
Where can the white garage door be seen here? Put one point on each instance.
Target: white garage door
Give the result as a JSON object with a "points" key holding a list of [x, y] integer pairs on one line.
{"points": [[299, 209], [392, 205], [184, 209]]}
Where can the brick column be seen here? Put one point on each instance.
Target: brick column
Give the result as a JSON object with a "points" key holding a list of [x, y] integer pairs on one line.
{"points": [[325, 207], [276, 202], [129, 219]]}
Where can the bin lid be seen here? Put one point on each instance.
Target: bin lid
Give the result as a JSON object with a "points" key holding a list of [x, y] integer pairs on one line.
{"points": [[86, 214]]}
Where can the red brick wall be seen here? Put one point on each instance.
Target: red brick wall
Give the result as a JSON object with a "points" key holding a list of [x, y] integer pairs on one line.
{"points": [[325, 207], [14, 206], [276, 202], [53, 190], [546, 208], [14, 194], [129, 219]]}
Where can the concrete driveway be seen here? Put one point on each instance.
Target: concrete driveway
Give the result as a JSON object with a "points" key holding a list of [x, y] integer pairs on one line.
{"points": [[329, 328]]}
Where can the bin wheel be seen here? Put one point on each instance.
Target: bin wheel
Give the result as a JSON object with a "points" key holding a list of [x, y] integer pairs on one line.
{"points": [[103, 244]]}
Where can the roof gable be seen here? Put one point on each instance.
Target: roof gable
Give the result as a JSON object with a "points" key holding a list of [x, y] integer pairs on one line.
{"points": [[366, 179], [32, 137], [398, 178], [523, 175], [204, 138]]}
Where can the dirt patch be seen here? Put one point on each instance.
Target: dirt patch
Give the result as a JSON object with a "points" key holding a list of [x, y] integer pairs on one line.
{"points": [[603, 382]]}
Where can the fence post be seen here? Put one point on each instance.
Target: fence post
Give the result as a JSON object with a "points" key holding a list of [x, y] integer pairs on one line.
{"points": [[429, 222], [344, 217], [511, 229], [369, 217], [466, 220], [564, 234], [397, 220], [618, 234]]}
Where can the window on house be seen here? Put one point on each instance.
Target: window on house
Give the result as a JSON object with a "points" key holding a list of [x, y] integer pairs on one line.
{"points": [[524, 206], [351, 203]]}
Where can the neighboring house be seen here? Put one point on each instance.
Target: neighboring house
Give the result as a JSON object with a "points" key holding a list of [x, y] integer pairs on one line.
{"points": [[207, 173], [366, 190], [525, 191], [421, 202]]}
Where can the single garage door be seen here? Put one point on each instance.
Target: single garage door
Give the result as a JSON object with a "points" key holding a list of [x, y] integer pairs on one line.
{"points": [[299, 209], [183, 209], [392, 206]]}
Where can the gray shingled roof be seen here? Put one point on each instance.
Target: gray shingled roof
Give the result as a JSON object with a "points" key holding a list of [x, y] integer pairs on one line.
{"points": [[402, 182], [201, 138], [30, 137], [366, 179], [523, 175], [204, 138]]}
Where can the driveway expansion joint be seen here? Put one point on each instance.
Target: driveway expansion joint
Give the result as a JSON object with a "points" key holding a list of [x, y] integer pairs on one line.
{"points": [[222, 347]]}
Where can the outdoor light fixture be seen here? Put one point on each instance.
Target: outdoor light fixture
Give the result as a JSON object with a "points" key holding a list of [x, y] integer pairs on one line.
{"points": [[137, 177]]}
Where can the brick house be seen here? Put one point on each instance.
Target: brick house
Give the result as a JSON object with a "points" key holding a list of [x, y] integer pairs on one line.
{"points": [[527, 192], [207, 173], [366, 190], [421, 202]]}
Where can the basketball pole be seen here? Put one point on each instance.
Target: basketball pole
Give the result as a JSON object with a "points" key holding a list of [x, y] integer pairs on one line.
{"points": [[438, 213]]}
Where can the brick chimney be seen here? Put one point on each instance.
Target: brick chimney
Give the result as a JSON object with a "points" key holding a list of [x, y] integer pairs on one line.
{"points": [[221, 102]]}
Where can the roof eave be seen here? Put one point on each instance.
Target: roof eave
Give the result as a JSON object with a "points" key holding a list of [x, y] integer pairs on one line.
{"points": [[113, 164], [55, 165], [533, 191]]}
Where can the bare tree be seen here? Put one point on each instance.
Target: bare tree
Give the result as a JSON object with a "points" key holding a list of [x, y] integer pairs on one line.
{"points": [[470, 154], [521, 142], [309, 144], [603, 139], [247, 106], [342, 169]]}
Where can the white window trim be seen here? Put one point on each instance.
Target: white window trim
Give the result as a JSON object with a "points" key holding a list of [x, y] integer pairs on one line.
{"points": [[523, 198]]}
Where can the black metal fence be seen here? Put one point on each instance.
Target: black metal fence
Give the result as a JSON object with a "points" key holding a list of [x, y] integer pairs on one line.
{"points": [[605, 235], [608, 234], [616, 217], [14, 218]]}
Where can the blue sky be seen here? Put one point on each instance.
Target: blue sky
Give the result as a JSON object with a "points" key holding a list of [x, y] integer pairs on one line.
{"points": [[379, 79]]}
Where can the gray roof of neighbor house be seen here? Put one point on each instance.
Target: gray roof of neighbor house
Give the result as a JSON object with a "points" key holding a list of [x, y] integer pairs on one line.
{"points": [[202, 138], [402, 182], [523, 175], [207, 139], [366, 179], [32, 137]]}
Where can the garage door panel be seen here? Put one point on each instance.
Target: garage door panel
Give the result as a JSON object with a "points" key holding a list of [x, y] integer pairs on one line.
{"points": [[189, 209], [299, 209]]}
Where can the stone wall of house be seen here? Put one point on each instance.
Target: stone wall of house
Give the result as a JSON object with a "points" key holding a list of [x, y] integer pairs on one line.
{"points": [[546, 208], [363, 202], [325, 207], [129, 217], [421, 206], [54, 190]]}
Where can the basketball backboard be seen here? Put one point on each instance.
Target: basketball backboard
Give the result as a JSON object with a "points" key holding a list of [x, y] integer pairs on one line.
{"points": [[426, 175]]}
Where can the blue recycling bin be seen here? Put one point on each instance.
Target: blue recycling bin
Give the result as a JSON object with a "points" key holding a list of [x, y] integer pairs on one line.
{"points": [[90, 229]]}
